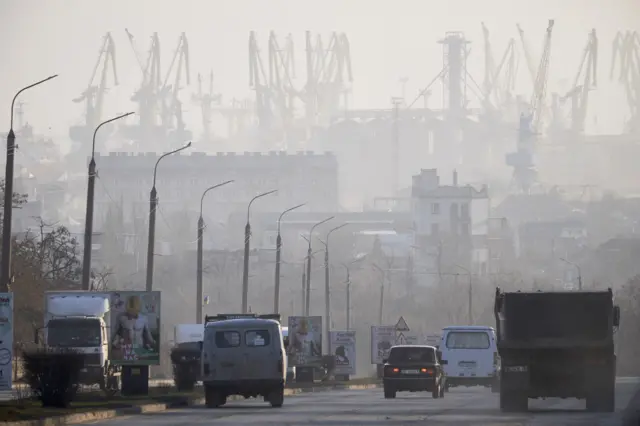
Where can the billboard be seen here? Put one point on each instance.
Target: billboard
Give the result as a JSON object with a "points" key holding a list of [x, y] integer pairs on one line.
{"points": [[383, 337], [135, 328], [6, 340], [342, 344], [305, 341]]}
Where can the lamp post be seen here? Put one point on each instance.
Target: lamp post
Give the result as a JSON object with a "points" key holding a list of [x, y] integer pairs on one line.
{"points": [[247, 238], [88, 223], [382, 278], [199, 301], [153, 201], [5, 272], [348, 282], [327, 289], [579, 272], [469, 296], [276, 297], [308, 293], [304, 281]]}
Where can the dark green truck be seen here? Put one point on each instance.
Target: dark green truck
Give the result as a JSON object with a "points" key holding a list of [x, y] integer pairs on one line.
{"points": [[556, 344]]}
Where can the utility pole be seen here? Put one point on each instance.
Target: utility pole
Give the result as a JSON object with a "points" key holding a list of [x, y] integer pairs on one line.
{"points": [[396, 143], [153, 205], [348, 301], [309, 255], [304, 290], [5, 278], [327, 286], [276, 297], [382, 278], [247, 248], [88, 223], [199, 296]]}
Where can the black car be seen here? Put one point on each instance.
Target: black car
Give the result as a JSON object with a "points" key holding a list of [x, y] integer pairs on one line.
{"points": [[414, 369]]}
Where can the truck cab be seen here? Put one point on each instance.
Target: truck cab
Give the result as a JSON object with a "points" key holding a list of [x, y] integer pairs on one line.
{"points": [[185, 355]]}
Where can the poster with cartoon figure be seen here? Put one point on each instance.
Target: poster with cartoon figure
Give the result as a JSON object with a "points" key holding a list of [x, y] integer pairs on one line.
{"points": [[6, 341], [305, 341], [343, 347], [135, 328]]}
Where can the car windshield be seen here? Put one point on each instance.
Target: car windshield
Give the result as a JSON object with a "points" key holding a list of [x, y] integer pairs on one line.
{"points": [[408, 354], [468, 340]]}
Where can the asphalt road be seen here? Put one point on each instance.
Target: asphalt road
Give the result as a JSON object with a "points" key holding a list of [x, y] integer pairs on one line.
{"points": [[368, 407]]}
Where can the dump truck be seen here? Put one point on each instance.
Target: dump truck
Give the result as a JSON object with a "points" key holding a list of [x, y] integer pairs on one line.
{"points": [[556, 344], [185, 355]]}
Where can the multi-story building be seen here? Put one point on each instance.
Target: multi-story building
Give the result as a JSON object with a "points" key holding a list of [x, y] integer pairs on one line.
{"points": [[126, 179], [450, 223]]}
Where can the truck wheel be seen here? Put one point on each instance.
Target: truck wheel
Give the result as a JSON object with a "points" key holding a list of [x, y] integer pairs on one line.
{"points": [[276, 397], [513, 402], [389, 393], [213, 398], [603, 401]]}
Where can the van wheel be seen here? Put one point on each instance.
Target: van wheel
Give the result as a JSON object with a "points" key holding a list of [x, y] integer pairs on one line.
{"points": [[276, 397]]}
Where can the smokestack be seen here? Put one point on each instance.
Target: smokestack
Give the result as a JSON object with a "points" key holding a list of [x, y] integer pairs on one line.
{"points": [[455, 178]]}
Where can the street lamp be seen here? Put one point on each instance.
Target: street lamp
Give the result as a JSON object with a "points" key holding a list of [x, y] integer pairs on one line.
{"points": [[308, 301], [348, 282], [579, 272], [276, 297], [469, 295], [247, 237], [304, 281], [327, 290], [88, 223], [5, 273], [199, 266], [153, 201], [382, 278]]}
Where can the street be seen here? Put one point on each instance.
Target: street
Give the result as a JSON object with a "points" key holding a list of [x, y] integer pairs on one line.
{"points": [[474, 406]]}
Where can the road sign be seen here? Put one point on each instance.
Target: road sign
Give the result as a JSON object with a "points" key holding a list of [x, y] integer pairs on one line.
{"points": [[401, 339], [402, 325]]}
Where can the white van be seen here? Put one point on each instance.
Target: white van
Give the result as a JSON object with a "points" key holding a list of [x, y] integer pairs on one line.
{"points": [[470, 356]]}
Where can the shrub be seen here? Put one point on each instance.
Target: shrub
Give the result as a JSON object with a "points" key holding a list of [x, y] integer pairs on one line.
{"points": [[53, 376]]}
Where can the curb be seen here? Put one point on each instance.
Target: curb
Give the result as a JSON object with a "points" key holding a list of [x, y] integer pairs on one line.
{"points": [[155, 408]]}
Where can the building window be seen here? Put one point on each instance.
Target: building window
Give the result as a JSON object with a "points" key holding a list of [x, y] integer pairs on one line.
{"points": [[464, 210], [435, 208]]}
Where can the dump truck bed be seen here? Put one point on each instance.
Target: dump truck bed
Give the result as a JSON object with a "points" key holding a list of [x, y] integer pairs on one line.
{"points": [[554, 319]]}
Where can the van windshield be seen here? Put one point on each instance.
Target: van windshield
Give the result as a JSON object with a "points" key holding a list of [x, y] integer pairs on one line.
{"points": [[408, 354], [468, 340]]}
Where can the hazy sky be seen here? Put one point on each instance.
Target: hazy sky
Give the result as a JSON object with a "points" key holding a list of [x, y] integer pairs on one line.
{"points": [[389, 40]]}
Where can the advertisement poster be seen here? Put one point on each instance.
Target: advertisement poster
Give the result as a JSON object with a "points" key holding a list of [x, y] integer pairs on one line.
{"points": [[135, 328], [305, 341], [6, 340], [343, 346], [383, 337]]}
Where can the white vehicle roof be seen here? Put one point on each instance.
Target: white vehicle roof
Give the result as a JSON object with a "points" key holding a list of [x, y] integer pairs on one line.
{"points": [[69, 305], [184, 333], [468, 327]]}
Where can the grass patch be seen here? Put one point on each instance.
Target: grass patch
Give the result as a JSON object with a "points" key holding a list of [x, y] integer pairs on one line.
{"points": [[31, 409]]}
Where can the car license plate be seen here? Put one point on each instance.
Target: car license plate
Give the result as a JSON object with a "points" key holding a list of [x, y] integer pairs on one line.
{"points": [[409, 371]]}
